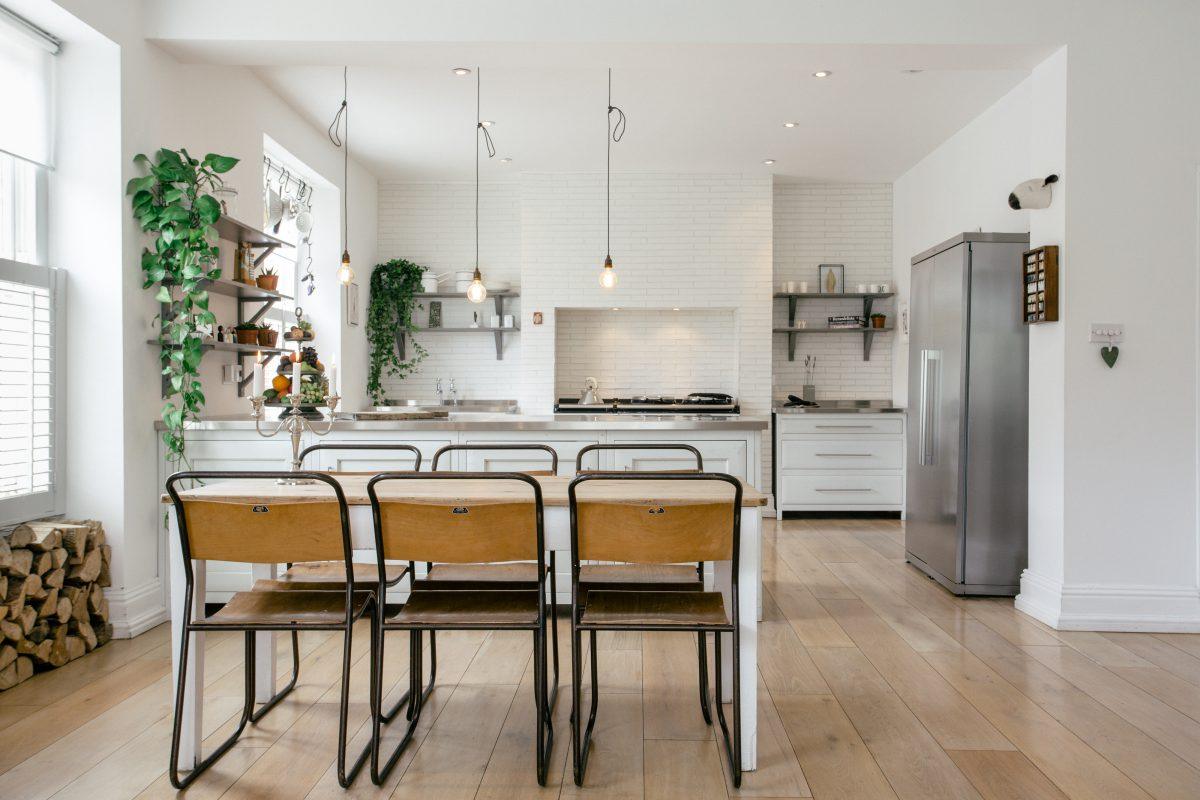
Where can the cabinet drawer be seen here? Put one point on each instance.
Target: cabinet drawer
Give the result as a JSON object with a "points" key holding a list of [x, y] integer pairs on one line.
{"points": [[841, 426], [852, 453], [841, 490]]}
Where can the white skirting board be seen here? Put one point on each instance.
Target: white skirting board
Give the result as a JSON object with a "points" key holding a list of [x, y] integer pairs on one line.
{"points": [[1110, 607], [134, 611]]}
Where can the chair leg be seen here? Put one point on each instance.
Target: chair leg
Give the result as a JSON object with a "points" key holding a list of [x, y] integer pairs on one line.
{"points": [[346, 777], [379, 773], [733, 749], [402, 701], [583, 741], [182, 782], [553, 631], [702, 650], [255, 716], [545, 730]]}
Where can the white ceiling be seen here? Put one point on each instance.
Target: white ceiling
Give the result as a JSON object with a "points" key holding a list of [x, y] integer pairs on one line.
{"points": [[691, 107]]}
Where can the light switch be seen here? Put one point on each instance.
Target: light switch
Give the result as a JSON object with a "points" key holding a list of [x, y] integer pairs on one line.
{"points": [[232, 373], [1107, 332]]}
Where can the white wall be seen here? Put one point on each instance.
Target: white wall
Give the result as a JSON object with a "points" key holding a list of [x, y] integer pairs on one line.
{"points": [[838, 223]]}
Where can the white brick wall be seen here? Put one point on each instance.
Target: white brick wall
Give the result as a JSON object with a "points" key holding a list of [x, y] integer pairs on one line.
{"points": [[849, 224], [682, 351], [434, 224]]}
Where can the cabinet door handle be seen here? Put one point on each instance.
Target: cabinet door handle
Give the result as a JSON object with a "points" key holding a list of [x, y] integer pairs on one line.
{"points": [[844, 455], [930, 377], [845, 490], [847, 427]]}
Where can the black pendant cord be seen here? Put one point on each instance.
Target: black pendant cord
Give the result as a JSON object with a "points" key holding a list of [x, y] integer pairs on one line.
{"points": [[491, 148], [342, 119], [612, 133]]}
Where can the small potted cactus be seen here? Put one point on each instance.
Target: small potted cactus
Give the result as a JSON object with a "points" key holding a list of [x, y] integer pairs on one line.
{"points": [[267, 336], [268, 279], [878, 320]]}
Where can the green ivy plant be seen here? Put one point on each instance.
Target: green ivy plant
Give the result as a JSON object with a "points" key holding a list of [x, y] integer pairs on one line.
{"points": [[394, 285], [172, 203]]}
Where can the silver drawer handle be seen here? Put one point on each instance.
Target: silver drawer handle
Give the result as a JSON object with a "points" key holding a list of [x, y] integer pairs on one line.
{"points": [[845, 455], [845, 490], [862, 427]]}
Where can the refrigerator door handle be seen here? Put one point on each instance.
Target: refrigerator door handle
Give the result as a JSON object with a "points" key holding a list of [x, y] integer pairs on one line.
{"points": [[930, 375]]}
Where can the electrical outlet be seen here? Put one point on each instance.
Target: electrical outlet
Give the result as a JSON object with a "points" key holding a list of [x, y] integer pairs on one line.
{"points": [[1107, 332], [232, 373]]}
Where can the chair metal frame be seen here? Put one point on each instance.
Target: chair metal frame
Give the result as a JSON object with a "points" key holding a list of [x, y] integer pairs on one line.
{"points": [[581, 740], [345, 776], [545, 732], [579, 470], [498, 446], [402, 701]]}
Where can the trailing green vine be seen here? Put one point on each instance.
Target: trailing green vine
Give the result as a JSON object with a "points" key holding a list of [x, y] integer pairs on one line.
{"points": [[173, 204], [394, 285]]}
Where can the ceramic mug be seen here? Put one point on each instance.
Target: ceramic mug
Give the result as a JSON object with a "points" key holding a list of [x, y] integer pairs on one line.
{"points": [[883, 288], [862, 288], [803, 287], [789, 287]]}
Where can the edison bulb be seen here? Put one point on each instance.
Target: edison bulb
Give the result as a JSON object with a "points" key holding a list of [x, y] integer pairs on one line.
{"points": [[608, 275], [477, 292], [345, 274]]}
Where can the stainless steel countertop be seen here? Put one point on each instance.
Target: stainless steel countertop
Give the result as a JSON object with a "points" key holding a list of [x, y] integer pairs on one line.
{"points": [[517, 422], [842, 407]]}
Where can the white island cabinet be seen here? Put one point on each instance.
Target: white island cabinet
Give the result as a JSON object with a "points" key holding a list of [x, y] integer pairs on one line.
{"points": [[731, 445], [829, 461]]}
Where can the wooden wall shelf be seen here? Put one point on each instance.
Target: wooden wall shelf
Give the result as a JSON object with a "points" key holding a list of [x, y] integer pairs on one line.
{"points": [[868, 300]]}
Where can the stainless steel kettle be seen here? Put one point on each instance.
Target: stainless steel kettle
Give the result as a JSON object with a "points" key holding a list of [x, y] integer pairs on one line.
{"points": [[590, 396]]}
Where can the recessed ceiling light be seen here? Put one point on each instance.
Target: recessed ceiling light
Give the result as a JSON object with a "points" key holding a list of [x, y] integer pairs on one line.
{"points": [[487, 123], [822, 73], [791, 124], [769, 161], [506, 160], [461, 71]]}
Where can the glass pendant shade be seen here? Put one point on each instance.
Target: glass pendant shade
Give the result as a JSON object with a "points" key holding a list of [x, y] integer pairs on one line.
{"points": [[345, 274], [477, 292], [608, 275]]}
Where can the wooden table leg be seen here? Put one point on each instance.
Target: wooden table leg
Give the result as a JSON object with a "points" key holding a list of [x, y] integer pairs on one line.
{"points": [[748, 579], [191, 736], [264, 644]]}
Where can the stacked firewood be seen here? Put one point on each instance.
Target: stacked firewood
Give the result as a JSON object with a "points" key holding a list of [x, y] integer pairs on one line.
{"points": [[52, 604]]}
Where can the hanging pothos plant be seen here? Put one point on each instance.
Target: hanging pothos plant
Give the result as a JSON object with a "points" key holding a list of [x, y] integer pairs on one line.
{"points": [[394, 285], [173, 204]]}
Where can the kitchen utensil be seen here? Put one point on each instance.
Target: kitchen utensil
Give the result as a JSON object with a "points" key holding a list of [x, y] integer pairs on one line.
{"points": [[429, 284], [590, 396], [274, 208], [789, 287], [304, 222], [799, 401]]}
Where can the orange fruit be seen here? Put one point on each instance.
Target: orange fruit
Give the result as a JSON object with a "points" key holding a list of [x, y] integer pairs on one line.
{"points": [[281, 384]]}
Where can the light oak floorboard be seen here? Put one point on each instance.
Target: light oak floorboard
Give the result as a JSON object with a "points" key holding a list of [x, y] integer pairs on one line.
{"points": [[677, 769], [1005, 775], [1162, 654]]}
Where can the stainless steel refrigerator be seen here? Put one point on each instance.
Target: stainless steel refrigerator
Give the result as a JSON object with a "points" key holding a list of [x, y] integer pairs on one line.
{"points": [[968, 384]]}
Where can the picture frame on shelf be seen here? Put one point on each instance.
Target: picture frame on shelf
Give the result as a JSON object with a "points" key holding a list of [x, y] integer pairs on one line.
{"points": [[831, 278]]}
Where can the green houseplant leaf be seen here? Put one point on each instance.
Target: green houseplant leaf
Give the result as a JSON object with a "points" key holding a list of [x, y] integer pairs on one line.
{"points": [[394, 285], [172, 203]]}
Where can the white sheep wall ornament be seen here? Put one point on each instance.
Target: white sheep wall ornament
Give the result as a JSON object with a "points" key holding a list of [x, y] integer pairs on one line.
{"points": [[1036, 193]]}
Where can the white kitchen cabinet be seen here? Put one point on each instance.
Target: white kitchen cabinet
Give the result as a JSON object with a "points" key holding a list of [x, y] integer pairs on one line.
{"points": [[567, 447], [839, 462], [728, 456]]}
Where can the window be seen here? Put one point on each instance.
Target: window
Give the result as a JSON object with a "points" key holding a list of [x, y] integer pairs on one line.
{"points": [[289, 183], [30, 300]]}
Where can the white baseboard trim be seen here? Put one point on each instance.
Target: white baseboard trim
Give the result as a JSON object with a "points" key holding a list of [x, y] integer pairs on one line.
{"points": [[1110, 607], [134, 611]]}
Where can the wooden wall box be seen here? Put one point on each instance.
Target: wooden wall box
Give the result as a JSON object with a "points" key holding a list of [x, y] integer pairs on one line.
{"points": [[1039, 293]]}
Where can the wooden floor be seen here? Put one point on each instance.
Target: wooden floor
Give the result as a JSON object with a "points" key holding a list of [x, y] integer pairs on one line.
{"points": [[875, 683]]}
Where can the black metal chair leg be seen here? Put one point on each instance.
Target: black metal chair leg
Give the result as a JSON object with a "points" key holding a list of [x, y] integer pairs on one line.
{"points": [[702, 650], [379, 773], [182, 782], [390, 715], [346, 777], [553, 632], [733, 749], [545, 731], [251, 653]]}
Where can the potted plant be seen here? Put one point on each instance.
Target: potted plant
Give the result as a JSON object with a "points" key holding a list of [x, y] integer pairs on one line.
{"points": [[878, 320], [267, 336], [268, 279], [246, 332], [394, 285]]}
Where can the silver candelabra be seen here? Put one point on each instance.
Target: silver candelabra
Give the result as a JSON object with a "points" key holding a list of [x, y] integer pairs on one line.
{"points": [[295, 424]]}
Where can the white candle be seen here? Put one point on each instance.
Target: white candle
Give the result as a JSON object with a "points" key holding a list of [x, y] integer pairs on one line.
{"points": [[334, 386], [296, 378], [256, 389]]}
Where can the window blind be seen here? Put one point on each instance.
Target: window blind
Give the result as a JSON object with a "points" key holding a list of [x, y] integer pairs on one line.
{"points": [[26, 90]]}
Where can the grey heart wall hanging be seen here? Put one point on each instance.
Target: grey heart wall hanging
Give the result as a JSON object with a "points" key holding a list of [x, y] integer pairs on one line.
{"points": [[1109, 354]]}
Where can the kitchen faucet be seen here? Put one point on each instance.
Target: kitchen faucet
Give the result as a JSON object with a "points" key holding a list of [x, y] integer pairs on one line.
{"points": [[453, 393], [438, 390]]}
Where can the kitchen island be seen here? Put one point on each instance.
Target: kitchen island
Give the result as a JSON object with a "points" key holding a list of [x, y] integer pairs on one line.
{"points": [[728, 443]]}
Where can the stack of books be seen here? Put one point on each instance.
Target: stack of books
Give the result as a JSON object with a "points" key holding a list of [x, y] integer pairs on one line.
{"points": [[848, 321]]}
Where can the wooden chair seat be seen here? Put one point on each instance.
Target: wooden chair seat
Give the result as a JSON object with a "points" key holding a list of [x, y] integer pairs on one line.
{"points": [[286, 608], [447, 576], [482, 609], [666, 609], [640, 577], [315, 576]]}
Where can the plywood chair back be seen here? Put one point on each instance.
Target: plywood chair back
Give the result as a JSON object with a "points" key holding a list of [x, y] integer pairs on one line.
{"points": [[579, 470], [502, 448], [312, 528], [611, 523], [457, 517]]}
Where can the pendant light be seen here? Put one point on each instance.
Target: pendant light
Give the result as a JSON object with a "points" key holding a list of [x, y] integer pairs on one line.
{"points": [[612, 133], [345, 273], [477, 292]]}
